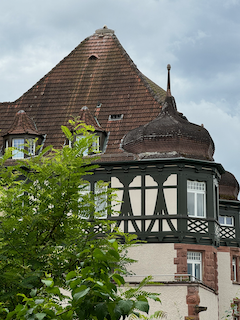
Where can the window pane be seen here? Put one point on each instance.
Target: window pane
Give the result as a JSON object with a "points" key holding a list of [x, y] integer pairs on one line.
{"points": [[200, 205], [18, 143], [101, 199], [85, 150], [189, 268], [221, 220], [31, 146], [96, 144], [229, 221], [190, 204], [197, 271]]}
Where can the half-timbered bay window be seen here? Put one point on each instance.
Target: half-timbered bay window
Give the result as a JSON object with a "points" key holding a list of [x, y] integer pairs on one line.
{"points": [[196, 199], [194, 265]]}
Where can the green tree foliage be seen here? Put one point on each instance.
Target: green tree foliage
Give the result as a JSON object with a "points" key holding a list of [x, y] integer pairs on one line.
{"points": [[52, 236]]}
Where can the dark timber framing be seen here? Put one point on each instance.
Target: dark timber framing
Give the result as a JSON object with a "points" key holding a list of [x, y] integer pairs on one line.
{"points": [[181, 227]]}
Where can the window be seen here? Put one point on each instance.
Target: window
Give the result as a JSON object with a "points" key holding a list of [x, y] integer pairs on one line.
{"points": [[226, 221], [96, 144], [31, 147], [235, 269], [84, 192], [100, 200], [194, 265], [19, 144], [100, 190], [85, 151], [196, 199], [115, 117]]}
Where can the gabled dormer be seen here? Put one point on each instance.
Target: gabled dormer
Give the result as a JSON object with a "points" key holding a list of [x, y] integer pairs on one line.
{"points": [[100, 135], [22, 131]]}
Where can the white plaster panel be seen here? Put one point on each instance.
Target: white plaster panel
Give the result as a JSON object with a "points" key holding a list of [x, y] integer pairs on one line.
{"points": [[150, 182], [150, 201], [153, 259], [115, 183], [173, 301], [171, 180], [171, 200], [121, 226], [210, 300], [227, 290], [136, 182], [165, 225], [155, 225], [135, 198], [131, 227], [116, 204]]}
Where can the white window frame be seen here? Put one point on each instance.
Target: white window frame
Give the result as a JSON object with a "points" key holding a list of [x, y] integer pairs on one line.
{"points": [[31, 146], [85, 190], [194, 260], [101, 200], [85, 151], [96, 144], [195, 189], [225, 222], [234, 268], [19, 144]]}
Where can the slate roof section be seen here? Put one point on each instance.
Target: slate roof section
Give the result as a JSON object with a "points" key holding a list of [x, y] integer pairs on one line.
{"points": [[98, 72], [22, 124]]}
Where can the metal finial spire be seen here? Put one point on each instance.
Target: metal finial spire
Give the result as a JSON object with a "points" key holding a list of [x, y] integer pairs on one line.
{"points": [[168, 82]]}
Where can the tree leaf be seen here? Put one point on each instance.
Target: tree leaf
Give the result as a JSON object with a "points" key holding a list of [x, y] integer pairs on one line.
{"points": [[80, 294], [142, 306], [101, 310], [40, 316], [125, 306], [48, 283], [118, 279]]}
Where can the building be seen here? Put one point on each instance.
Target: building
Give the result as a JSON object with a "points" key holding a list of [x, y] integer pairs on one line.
{"points": [[174, 196]]}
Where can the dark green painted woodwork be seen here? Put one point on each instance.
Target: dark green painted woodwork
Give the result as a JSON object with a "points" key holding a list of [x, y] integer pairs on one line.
{"points": [[189, 229]]}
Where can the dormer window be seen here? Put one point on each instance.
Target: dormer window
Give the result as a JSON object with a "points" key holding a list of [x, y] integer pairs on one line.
{"points": [[96, 146], [22, 135], [19, 144]]}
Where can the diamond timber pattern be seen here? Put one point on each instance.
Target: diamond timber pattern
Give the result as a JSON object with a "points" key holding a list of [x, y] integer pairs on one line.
{"points": [[197, 226], [227, 232]]}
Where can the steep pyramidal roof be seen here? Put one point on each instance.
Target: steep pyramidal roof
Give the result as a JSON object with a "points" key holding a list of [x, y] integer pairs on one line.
{"points": [[98, 72], [22, 124]]}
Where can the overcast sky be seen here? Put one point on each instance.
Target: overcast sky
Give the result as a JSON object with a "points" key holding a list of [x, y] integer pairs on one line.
{"points": [[199, 38]]}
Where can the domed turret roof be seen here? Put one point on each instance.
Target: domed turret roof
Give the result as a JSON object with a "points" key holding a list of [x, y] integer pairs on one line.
{"points": [[228, 187], [170, 134]]}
